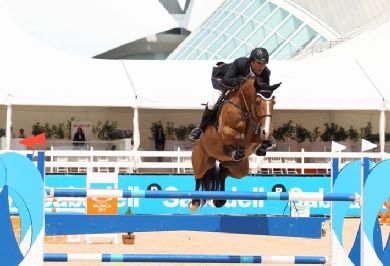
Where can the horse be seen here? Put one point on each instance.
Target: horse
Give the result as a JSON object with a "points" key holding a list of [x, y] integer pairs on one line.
{"points": [[244, 122]]}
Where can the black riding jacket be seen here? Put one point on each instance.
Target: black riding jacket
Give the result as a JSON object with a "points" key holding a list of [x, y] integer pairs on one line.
{"points": [[231, 74]]}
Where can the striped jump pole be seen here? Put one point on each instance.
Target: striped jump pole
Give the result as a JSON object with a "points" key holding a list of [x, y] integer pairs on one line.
{"points": [[207, 195], [77, 257]]}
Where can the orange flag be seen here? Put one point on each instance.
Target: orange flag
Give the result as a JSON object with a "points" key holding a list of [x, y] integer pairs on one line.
{"points": [[30, 142]]}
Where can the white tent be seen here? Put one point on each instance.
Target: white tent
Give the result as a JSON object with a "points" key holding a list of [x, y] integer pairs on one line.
{"points": [[33, 74], [306, 85], [370, 52]]}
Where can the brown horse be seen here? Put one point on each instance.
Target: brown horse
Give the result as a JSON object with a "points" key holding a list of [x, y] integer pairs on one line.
{"points": [[245, 121]]}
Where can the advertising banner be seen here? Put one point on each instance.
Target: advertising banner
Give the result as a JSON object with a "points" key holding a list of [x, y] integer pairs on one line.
{"points": [[186, 183]]}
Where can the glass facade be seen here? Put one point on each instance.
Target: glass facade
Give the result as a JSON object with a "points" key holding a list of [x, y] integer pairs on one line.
{"points": [[238, 26]]}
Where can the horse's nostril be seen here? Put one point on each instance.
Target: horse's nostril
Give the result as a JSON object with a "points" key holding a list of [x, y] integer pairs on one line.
{"points": [[263, 131]]}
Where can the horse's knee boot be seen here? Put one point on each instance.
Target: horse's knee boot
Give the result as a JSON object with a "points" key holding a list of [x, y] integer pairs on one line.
{"points": [[267, 143], [270, 142], [261, 150], [241, 151], [236, 155]]}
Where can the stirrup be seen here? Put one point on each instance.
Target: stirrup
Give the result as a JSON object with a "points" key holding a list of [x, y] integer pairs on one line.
{"points": [[195, 134]]}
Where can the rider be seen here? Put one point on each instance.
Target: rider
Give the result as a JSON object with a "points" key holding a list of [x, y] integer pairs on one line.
{"points": [[235, 74]]}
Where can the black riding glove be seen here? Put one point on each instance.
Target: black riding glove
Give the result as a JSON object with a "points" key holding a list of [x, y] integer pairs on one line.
{"points": [[240, 81]]}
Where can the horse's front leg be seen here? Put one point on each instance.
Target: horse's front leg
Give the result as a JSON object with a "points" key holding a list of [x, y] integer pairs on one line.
{"points": [[200, 165], [232, 136], [236, 153]]}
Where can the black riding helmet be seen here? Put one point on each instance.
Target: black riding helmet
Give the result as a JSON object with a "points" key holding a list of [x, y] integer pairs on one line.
{"points": [[260, 55]]}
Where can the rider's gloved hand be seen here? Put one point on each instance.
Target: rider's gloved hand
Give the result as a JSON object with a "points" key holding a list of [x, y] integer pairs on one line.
{"points": [[241, 80]]}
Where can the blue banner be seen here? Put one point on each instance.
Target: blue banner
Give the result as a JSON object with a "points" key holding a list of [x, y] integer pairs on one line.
{"points": [[187, 183]]}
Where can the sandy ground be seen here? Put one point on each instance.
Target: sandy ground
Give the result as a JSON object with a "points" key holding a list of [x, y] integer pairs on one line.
{"points": [[212, 243]]}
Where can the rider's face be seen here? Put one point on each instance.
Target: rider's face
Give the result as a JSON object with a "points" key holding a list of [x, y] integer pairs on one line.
{"points": [[257, 67]]}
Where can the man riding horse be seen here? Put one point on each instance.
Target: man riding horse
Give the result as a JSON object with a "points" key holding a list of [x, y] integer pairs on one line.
{"points": [[229, 76]]}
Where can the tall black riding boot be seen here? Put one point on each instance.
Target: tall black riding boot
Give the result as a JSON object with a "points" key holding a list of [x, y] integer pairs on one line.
{"points": [[195, 133]]}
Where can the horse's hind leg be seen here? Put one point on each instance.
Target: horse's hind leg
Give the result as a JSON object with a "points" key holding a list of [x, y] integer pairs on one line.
{"points": [[200, 164], [194, 204], [223, 173], [209, 182]]}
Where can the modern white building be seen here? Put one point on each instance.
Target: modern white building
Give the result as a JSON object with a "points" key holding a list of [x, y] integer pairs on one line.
{"points": [[285, 28]]}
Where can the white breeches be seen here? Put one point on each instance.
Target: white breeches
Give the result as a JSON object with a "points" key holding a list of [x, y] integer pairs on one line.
{"points": [[213, 99]]}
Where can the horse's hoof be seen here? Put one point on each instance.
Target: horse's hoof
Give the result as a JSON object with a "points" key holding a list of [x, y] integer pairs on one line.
{"points": [[219, 203], [193, 205]]}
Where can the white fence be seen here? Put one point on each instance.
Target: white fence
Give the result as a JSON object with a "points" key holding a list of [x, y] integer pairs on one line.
{"points": [[128, 162]]}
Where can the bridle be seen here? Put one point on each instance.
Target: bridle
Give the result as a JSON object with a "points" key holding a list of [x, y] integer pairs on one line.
{"points": [[256, 126]]}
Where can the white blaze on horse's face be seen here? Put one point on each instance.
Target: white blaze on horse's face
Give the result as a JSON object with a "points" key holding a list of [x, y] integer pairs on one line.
{"points": [[264, 110]]}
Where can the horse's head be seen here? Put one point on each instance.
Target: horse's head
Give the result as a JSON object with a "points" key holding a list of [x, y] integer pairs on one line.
{"points": [[263, 106]]}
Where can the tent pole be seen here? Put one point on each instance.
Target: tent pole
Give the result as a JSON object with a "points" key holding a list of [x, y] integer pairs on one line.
{"points": [[382, 129], [136, 133], [8, 127]]}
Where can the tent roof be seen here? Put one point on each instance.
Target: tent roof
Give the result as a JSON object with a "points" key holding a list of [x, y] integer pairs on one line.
{"points": [[34, 74], [306, 85], [370, 51]]}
